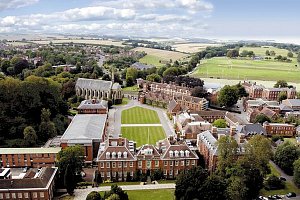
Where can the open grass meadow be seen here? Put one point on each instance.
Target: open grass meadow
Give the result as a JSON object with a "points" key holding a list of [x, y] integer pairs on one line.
{"points": [[162, 194], [139, 115], [247, 69], [80, 41], [143, 134], [151, 60], [192, 47], [261, 51]]}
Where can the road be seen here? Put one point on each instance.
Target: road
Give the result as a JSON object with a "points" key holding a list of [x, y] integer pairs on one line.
{"points": [[82, 193], [114, 118]]}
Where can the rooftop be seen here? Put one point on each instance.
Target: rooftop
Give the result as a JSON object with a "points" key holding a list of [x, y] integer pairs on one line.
{"points": [[85, 127], [94, 84], [29, 150], [93, 104]]}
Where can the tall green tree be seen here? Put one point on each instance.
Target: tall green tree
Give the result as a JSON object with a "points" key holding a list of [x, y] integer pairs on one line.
{"points": [[47, 128], [290, 54], [282, 96], [69, 179], [30, 136], [228, 96], [228, 151], [214, 188], [261, 118], [285, 156], [236, 189], [296, 174], [220, 123]]}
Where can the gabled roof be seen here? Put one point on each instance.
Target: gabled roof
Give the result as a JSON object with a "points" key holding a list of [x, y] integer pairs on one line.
{"points": [[268, 112], [292, 102], [172, 105], [146, 148], [251, 129], [94, 84], [209, 141], [179, 148], [93, 104]]}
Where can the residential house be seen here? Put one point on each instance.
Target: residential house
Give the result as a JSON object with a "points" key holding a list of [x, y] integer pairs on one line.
{"points": [[279, 129]]}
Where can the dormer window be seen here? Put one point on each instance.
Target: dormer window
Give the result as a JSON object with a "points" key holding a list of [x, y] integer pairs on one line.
{"points": [[114, 155], [107, 155], [119, 154]]}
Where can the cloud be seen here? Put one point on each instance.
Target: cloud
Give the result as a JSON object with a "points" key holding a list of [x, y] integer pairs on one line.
{"points": [[8, 4], [128, 17]]}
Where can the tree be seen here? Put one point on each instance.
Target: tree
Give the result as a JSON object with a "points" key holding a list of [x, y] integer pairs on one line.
{"points": [[267, 53], [69, 179], [282, 96], [132, 72], [220, 123], [188, 183], [261, 118], [214, 187], [172, 71], [272, 53], [228, 151], [5, 64], [285, 156], [93, 196], [116, 190], [273, 183], [232, 53], [157, 174], [241, 91], [298, 57], [154, 78], [30, 136], [129, 81], [113, 197], [281, 84], [199, 91], [47, 128], [228, 96], [296, 173], [290, 54], [236, 189]]}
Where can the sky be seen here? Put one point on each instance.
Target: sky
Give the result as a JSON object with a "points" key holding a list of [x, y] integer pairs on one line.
{"points": [[213, 19]]}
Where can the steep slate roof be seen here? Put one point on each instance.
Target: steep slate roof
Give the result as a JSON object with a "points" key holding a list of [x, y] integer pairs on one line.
{"points": [[41, 181], [292, 102], [146, 147], [88, 104], [210, 141], [268, 112], [94, 84], [84, 128], [251, 129]]}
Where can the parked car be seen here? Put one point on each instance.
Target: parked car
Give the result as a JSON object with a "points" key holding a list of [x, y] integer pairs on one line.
{"points": [[282, 178], [291, 194]]}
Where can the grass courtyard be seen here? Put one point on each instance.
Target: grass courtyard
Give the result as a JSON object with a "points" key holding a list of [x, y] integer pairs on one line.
{"points": [[247, 69], [165, 194], [139, 115], [143, 134]]}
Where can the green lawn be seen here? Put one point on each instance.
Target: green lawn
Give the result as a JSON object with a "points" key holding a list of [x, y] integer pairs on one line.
{"points": [[143, 135], [289, 187], [139, 115], [131, 89], [248, 69], [164, 194], [151, 60], [124, 102], [261, 51]]}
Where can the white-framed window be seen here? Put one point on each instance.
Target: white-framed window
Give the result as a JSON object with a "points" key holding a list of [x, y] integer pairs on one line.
{"points": [[120, 164], [187, 163], [140, 164], [102, 174], [193, 162], [7, 196], [108, 174], [1, 196], [166, 172], [156, 163], [20, 195], [176, 172], [113, 165], [34, 194], [114, 174], [125, 174], [176, 162], [148, 163], [171, 163], [102, 164], [26, 195], [13, 195], [166, 163], [131, 164], [125, 164], [131, 173], [171, 172], [42, 194], [182, 163], [107, 164]]}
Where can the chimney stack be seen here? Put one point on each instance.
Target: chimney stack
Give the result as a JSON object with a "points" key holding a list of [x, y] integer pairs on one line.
{"points": [[214, 131], [232, 131]]}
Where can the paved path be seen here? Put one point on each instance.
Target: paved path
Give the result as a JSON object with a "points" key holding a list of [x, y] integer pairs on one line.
{"points": [[82, 193], [114, 118], [130, 125]]}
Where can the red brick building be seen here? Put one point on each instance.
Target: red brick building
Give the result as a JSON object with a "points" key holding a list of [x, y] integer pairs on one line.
{"points": [[285, 130], [38, 185], [118, 158], [28, 157], [93, 106]]}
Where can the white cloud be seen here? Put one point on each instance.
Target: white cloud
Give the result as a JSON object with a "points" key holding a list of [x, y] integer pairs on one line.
{"points": [[128, 17], [7, 4]]}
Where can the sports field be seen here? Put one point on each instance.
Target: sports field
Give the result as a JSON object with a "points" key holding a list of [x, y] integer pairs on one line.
{"points": [[139, 115], [143, 134], [248, 69]]}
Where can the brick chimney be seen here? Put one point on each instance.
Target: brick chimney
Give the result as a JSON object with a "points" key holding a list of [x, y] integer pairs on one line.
{"points": [[232, 131], [214, 131]]}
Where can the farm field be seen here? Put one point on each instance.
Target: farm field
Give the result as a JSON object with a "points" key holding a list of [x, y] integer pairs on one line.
{"points": [[139, 115], [165, 194], [246, 69], [261, 51], [80, 41], [143, 134], [192, 47], [154, 56]]}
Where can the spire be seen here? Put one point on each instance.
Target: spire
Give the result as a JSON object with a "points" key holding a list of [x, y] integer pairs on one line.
{"points": [[112, 75]]}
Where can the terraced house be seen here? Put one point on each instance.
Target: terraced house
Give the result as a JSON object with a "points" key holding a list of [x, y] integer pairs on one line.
{"points": [[118, 158]]}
